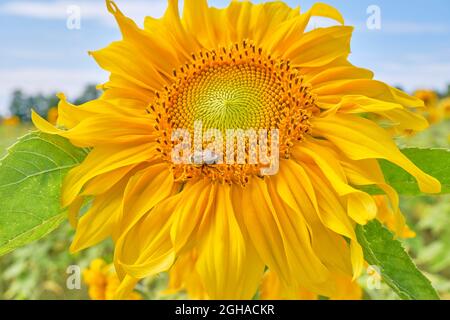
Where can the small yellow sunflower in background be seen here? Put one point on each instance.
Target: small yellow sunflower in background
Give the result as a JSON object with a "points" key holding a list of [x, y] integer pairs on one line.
{"points": [[444, 107], [12, 121], [431, 101], [429, 97], [218, 226], [103, 282]]}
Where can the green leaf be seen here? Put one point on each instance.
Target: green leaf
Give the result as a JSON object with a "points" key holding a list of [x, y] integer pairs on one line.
{"points": [[31, 176], [396, 267], [435, 162]]}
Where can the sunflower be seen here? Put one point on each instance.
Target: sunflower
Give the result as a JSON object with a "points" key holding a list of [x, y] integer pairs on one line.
{"points": [[429, 97], [103, 281], [432, 111], [245, 68], [444, 107], [11, 121]]}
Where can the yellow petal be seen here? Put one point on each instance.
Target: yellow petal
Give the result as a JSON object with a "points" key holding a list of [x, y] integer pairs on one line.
{"points": [[74, 210], [364, 87], [324, 10], [146, 249], [171, 28], [273, 289], [228, 266], [332, 74], [154, 48], [125, 61], [334, 215], [97, 130], [101, 160], [368, 172], [334, 43], [265, 20], [98, 223], [361, 206], [289, 31], [192, 213], [360, 138], [104, 182], [348, 289], [198, 22], [184, 276], [282, 241], [329, 246], [125, 288], [406, 120], [144, 191]]}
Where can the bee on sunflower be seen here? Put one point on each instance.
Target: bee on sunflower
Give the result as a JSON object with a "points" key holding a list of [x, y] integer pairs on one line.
{"points": [[220, 225]]}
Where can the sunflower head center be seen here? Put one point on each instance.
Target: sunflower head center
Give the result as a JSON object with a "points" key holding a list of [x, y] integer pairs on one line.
{"points": [[239, 88], [240, 95]]}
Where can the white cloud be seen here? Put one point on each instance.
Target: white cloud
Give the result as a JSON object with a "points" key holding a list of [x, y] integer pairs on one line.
{"points": [[412, 75], [410, 70], [387, 27], [414, 28], [90, 9], [405, 28], [46, 80]]}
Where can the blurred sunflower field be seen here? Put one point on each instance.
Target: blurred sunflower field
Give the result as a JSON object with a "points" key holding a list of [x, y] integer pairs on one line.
{"points": [[57, 252]]}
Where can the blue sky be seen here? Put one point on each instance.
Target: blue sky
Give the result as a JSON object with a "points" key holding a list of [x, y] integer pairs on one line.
{"points": [[38, 53]]}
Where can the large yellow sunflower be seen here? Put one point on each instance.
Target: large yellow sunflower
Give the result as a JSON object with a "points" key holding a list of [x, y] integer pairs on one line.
{"points": [[244, 67]]}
